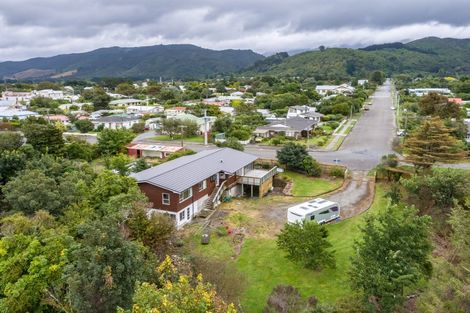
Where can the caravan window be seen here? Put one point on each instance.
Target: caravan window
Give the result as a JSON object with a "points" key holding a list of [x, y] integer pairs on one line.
{"points": [[312, 218], [334, 209], [325, 212]]}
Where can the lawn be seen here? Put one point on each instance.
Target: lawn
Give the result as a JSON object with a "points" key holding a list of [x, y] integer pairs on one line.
{"points": [[311, 186], [265, 266], [198, 139]]}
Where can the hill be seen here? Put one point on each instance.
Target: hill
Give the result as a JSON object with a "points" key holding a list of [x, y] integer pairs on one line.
{"points": [[428, 55], [166, 61]]}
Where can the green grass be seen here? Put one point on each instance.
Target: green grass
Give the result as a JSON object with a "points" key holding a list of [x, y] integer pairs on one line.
{"points": [[198, 139], [311, 186], [264, 266]]}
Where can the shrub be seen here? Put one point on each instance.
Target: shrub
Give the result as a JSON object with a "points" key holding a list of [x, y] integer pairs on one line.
{"points": [[138, 128], [311, 166], [337, 171]]}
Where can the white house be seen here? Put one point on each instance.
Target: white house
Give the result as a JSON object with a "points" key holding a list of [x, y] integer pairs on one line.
{"points": [[362, 82], [175, 111], [9, 114], [227, 110], [144, 109], [343, 89], [17, 96], [298, 110], [125, 102], [116, 121], [424, 91], [49, 93], [467, 124]]}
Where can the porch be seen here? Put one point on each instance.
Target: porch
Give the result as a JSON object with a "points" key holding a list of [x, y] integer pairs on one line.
{"points": [[257, 182]]}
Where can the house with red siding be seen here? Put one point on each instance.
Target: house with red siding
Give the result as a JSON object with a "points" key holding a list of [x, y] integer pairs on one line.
{"points": [[184, 187]]}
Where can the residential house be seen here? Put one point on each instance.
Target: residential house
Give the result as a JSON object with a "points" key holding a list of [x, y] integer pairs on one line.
{"points": [[9, 114], [126, 102], [171, 112], [344, 89], [467, 124], [185, 186], [228, 110], [362, 82], [144, 109], [116, 121], [49, 93], [265, 113], [424, 91], [141, 150], [59, 118], [198, 120], [295, 127], [153, 123], [458, 101], [298, 110], [17, 96]]}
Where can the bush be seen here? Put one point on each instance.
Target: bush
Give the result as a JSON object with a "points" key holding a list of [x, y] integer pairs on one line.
{"points": [[231, 142], [180, 154], [138, 128], [306, 244], [312, 167], [221, 231], [337, 171], [84, 126]]}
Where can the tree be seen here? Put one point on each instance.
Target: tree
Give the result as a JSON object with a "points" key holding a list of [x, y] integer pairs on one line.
{"points": [[171, 126], [440, 188], [177, 294], [103, 268], [138, 128], [126, 88], [31, 191], [10, 140], [114, 141], [98, 97], [79, 149], [292, 155], [285, 299], [11, 162], [119, 163], [222, 124], [435, 104], [140, 165], [233, 143], [311, 166], [306, 243], [84, 126], [378, 77], [154, 231], [44, 138], [432, 143], [392, 255], [33, 253]]}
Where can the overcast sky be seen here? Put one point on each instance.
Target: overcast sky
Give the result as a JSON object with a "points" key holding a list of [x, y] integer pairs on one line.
{"points": [[30, 28]]}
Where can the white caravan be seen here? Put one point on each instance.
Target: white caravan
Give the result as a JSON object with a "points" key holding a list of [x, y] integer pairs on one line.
{"points": [[319, 210]]}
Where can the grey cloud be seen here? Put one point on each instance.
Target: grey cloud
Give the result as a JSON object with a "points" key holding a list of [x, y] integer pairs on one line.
{"points": [[29, 27]]}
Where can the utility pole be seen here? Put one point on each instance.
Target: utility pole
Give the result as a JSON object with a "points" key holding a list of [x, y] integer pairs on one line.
{"points": [[406, 122], [205, 127], [182, 134]]}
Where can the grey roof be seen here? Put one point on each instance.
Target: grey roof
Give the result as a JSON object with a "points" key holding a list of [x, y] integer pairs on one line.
{"points": [[312, 114], [116, 118], [180, 174], [294, 123], [125, 101]]}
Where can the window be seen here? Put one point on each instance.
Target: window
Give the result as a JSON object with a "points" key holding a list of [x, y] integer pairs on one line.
{"points": [[325, 212], [186, 194], [312, 218], [334, 209], [182, 215], [202, 185], [166, 198], [188, 212]]}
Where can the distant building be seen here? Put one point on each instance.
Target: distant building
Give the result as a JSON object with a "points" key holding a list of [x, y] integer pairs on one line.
{"points": [[141, 150], [144, 109], [125, 102], [295, 127], [49, 93], [58, 118], [175, 111], [17, 96], [467, 124], [9, 114], [425, 91], [116, 121], [458, 101], [362, 82], [198, 120], [344, 89]]}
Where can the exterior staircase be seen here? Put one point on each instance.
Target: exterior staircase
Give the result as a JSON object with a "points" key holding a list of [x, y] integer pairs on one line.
{"points": [[213, 201]]}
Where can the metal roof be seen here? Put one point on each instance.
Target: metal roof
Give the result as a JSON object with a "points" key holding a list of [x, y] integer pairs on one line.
{"points": [[311, 206], [180, 174]]}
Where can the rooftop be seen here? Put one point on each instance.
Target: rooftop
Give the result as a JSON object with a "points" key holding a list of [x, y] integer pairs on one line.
{"points": [[184, 172], [311, 206]]}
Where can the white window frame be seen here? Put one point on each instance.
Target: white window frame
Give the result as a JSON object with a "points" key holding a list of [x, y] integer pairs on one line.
{"points": [[190, 194], [163, 198], [182, 215], [202, 185]]}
